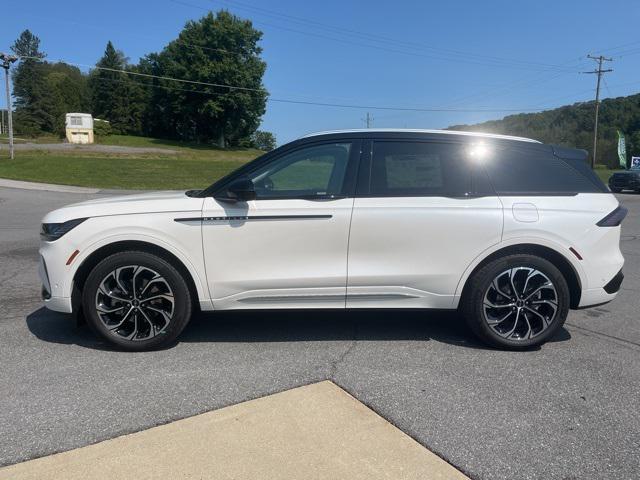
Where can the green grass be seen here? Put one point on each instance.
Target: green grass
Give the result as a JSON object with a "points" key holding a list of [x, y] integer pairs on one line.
{"points": [[4, 139], [137, 172], [134, 141]]}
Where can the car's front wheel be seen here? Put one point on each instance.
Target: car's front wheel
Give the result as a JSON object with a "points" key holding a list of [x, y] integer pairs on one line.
{"points": [[517, 301], [136, 300]]}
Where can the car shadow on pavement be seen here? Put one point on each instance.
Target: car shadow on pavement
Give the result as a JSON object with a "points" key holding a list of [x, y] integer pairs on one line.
{"points": [[287, 326]]}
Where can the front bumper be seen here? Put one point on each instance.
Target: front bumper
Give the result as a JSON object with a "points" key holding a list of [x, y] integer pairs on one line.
{"points": [[52, 302]]}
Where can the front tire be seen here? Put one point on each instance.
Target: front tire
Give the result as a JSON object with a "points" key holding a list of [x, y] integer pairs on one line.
{"points": [[136, 301], [516, 302]]}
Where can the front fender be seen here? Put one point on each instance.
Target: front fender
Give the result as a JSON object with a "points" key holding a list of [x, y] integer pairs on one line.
{"points": [[181, 240]]}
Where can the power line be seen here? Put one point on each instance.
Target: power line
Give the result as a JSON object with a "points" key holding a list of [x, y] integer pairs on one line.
{"points": [[377, 37], [618, 47], [377, 47], [139, 35], [336, 105], [284, 100], [628, 53], [160, 77]]}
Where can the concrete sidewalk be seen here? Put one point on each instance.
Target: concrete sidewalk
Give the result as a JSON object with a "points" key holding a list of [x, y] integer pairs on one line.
{"points": [[312, 432]]}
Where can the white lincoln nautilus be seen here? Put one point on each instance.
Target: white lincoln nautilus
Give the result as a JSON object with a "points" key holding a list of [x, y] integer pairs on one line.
{"points": [[511, 232]]}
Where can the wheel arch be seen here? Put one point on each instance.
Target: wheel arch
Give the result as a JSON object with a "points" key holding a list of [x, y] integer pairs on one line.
{"points": [[95, 257], [558, 259]]}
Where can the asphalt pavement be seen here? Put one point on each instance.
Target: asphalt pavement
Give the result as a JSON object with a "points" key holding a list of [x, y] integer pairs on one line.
{"points": [[569, 410]]}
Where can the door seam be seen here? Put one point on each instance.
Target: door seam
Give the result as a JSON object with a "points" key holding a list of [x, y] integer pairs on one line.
{"points": [[346, 280]]}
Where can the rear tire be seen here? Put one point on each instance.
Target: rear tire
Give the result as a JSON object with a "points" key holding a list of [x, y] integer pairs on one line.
{"points": [[136, 301], [616, 190], [516, 302]]}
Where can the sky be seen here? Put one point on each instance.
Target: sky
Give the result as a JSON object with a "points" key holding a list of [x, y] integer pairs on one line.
{"points": [[474, 60]]}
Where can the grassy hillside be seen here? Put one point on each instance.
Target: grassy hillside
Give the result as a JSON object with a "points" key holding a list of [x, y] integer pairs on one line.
{"points": [[572, 126], [184, 166]]}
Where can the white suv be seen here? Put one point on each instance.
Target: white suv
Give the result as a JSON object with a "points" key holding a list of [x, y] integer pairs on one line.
{"points": [[509, 231]]}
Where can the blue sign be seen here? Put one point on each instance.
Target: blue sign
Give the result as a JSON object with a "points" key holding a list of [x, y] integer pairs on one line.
{"points": [[635, 163]]}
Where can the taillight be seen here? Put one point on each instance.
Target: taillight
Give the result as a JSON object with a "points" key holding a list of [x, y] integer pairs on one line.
{"points": [[614, 218]]}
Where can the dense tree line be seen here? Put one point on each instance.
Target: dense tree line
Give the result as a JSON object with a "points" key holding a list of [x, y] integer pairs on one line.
{"points": [[572, 126], [211, 54]]}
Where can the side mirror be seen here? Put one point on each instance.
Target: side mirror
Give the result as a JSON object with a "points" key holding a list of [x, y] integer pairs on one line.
{"points": [[240, 190]]}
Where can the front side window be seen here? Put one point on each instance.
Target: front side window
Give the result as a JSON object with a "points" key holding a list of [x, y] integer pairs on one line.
{"points": [[315, 171], [420, 169]]}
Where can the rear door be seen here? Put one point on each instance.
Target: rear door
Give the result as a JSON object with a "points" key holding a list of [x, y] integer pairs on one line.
{"points": [[423, 211]]}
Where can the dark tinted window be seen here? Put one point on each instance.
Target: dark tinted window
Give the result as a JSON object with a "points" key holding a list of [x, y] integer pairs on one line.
{"points": [[585, 169], [528, 171], [419, 168]]}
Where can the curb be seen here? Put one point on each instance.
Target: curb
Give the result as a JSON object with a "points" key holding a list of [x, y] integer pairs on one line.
{"points": [[50, 187]]}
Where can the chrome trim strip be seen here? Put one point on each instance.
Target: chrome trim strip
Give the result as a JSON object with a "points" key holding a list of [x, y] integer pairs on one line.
{"points": [[358, 296], [293, 298], [250, 217]]}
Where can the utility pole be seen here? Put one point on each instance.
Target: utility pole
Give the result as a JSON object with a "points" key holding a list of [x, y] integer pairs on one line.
{"points": [[599, 72], [368, 120], [7, 60]]}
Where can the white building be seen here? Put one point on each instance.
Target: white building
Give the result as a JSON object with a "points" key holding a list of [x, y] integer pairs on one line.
{"points": [[79, 127]]}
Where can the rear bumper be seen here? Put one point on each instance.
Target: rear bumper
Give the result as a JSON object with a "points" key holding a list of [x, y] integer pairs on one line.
{"points": [[598, 296], [614, 284]]}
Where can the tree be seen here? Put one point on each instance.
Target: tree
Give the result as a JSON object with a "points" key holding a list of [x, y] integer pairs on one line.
{"points": [[115, 96], [219, 49], [263, 140], [69, 91], [34, 105], [45, 91]]}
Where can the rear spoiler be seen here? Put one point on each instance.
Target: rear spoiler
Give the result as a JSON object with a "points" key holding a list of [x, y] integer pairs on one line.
{"points": [[570, 153]]}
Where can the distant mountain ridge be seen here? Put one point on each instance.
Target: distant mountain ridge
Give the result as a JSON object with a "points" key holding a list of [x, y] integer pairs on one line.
{"points": [[572, 126]]}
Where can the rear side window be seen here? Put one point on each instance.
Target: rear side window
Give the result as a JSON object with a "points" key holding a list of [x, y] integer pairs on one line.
{"points": [[419, 169], [520, 171]]}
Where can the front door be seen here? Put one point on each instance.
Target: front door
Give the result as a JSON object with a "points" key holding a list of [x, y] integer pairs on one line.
{"points": [[288, 247], [424, 211]]}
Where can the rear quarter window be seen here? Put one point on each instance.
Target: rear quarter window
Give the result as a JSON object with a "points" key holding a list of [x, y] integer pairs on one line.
{"points": [[522, 171]]}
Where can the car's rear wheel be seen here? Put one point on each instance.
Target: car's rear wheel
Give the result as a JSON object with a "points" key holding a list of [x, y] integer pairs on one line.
{"points": [[616, 190], [136, 300], [517, 301]]}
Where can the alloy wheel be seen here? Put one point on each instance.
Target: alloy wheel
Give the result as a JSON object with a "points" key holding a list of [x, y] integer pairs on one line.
{"points": [[520, 303], [135, 303]]}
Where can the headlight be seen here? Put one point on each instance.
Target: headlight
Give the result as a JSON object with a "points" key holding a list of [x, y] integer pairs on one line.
{"points": [[53, 231]]}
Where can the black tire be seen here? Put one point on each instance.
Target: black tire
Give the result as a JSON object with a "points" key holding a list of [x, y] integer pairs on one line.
{"points": [[171, 286], [481, 284], [616, 190]]}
